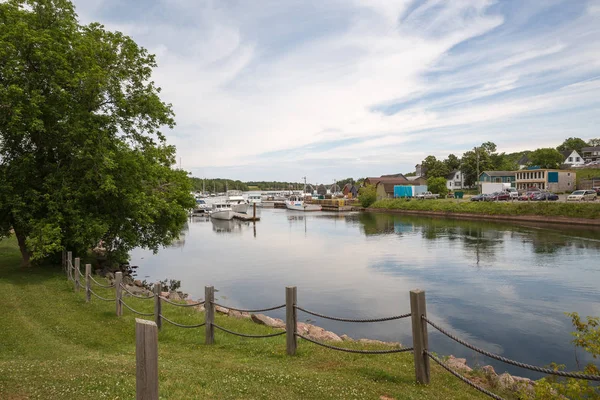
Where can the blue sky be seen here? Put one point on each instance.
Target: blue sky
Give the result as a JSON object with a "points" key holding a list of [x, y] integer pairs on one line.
{"points": [[275, 90]]}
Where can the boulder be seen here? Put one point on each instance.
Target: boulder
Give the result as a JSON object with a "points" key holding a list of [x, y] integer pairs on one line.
{"points": [[235, 314], [268, 321], [136, 290], [506, 381], [138, 283], [489, 371], [164, 294], [174, 296], [222, 310], [347, 338], [378, 342], [458, 364], [319, 334], [109, 275], [127, 280]]}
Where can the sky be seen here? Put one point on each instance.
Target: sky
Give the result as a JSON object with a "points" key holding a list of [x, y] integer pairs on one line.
{"points": [[278, 90]]}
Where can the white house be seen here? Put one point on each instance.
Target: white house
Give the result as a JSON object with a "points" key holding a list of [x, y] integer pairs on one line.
{"points": [[572, 158], [455, 180]]}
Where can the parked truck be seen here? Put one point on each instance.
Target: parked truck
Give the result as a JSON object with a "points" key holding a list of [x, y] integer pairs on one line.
{"points": [[489, 188], [427, 195]]}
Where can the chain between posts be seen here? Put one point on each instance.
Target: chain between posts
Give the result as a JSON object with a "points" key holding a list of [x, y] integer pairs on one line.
{"points": [[181, 304], [100, 284], [136, 311], [137, 296]]}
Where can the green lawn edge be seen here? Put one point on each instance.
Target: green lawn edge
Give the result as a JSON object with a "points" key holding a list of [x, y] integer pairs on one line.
{"points": [[542, 209], [54, 345]]}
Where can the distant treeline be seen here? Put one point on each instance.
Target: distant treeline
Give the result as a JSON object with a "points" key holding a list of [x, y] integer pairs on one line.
{"points": [[217, 185]]}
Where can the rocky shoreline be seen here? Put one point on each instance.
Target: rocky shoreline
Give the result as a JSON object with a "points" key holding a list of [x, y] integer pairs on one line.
{"points": [[486, 376]]}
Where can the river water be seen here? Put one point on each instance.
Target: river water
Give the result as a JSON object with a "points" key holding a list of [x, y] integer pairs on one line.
{"points": [[501, 286]]}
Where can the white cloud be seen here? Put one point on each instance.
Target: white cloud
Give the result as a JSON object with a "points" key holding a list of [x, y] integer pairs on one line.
{"points": [[246, 79]]}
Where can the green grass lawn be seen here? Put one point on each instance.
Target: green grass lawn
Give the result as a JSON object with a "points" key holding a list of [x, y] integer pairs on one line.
{"points": [[53, 345], [590, 210]]}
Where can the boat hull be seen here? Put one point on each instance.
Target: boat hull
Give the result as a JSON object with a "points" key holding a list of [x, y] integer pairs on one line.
{"points": [[222, 214], [303, 206], [240, 208]]}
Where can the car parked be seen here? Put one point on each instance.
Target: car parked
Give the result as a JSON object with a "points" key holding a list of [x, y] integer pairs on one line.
{"points": [[514, 193], [543, 196], [527, 196], [479, 197], [582, 195], [498, 196], [597, 189]]}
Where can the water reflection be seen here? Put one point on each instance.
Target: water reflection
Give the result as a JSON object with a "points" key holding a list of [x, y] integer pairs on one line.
{"points": [[502, 286]]}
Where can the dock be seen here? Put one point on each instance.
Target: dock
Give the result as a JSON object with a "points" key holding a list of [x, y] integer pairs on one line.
{"points": [[245, 217]]}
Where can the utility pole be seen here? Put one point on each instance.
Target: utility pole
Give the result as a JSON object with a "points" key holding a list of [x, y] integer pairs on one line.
{"points": [[477, 154]]}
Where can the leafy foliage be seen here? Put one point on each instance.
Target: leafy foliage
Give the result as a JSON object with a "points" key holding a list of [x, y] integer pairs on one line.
{"points": [[572, 143], [367, 195], [452, 162], [217, 185], [437, 186], [82, 155], [546, 158], [593, 142], [434, 168]]}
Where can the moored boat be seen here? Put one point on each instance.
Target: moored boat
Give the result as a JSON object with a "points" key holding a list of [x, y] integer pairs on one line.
{"points": [[297, 203], [237, 201], [222, 210]]}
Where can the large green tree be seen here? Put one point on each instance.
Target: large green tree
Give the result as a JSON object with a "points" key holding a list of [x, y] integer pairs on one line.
{"points": [[482, 156], [82, 156], [452, 162], [572, 143], [546, 158], [434, 168], [593, 142]]}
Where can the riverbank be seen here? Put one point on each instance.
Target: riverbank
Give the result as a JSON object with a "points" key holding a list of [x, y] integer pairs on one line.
{"points": [[546, 212], [57, 346]]}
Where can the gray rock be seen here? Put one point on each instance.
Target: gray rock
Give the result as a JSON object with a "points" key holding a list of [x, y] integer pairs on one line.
{"points": [[346, 338], [127, 280], [320, 334], [174, 296], [138, 283], [458, 364], [109, 275], [235, 314], [164, 294], [506, 381], [136, 290], [489, 371], [268, 321], [222, 310]]}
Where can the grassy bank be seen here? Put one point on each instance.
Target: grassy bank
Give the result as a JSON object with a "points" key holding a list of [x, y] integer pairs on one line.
{"points": [[545, 209], [54, 345]]}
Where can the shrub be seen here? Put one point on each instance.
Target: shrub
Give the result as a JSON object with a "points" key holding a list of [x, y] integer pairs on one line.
{"points": [[367, 195], [437, 185]]}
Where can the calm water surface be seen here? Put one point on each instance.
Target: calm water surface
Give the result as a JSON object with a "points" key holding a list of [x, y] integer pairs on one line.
{"points": [[502, 286]]}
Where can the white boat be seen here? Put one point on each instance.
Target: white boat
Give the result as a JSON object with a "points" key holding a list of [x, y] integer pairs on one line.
{"points": [[255, 199], [201, 206], [297, 203], [222, 211], [237, 201]]}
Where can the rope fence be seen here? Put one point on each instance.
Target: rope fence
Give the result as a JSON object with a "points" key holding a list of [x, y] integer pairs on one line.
{"points": [[249, 336], [548, 371], [101, 284], [250, 311], [181, 304], [353, 320], [328, 346], [136, 311], [462, 378], [137, 296], [100, 297], [418, 315], [181, 325]]}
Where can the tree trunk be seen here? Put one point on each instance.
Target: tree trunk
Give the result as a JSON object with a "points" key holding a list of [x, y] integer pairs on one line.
{"points": [[26, 257]]}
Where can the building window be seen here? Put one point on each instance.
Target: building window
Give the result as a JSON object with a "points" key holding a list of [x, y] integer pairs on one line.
{"points": [[450, 184], [577, 159], [570, 159], [568, 174], [568, 183]]}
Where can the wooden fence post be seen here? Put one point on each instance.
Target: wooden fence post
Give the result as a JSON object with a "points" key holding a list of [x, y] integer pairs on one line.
{"points": [[419, 332], [157, 305], [209, 307], [88, 282], [118, 293], [69, 263], [77, 273], [146, 359], [291, 320]]}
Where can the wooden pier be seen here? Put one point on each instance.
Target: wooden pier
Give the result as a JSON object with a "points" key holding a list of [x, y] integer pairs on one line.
{"points": [[247, 217]]}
